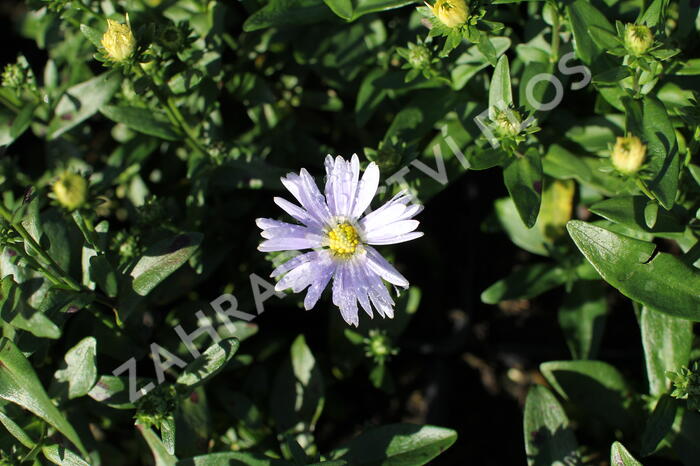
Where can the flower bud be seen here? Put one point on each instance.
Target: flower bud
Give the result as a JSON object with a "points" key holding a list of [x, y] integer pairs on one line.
{"points": [[508, 122], [628, 154], [451, 13], [638, 38], [378, 346], [71, 190], [118, 41]]}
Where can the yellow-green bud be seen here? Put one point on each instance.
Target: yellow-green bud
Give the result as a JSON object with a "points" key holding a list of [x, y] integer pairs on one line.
{"points": [[508, 122], [451, 13], [638, 38], [118, 41], [628, 154], [71, 190]]}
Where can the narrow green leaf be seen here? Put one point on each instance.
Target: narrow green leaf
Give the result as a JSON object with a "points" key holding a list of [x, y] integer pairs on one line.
{"points": [[650, 121], [286, 13], [396, 444], [298, 392], [82, 101], [530, 239], [582, 318], [20, 385], [143, 120], [157, 264], [160, 453], [62, 456], [233, 458], [500, 91], [16, 431], [659, 424], [113, 391], [619, 456], [208, 364], [582, 15], [663, 282], [667, 342], [342, 8], [548, 436], [595, 387], [525, 283], [523, 178]]}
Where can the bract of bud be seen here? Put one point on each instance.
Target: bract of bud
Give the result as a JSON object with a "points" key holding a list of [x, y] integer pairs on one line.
{"points": [[451, 13], [118, 41], [628, 154], [638, 38], [71, 190]]}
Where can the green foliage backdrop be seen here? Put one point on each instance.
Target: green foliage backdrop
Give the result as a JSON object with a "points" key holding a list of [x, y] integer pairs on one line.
{"points": [[554, 144]]}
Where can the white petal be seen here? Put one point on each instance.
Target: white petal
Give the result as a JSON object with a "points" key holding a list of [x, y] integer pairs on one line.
{"points": [[398, 239], [366, 190], [322, 273], [295, 262], [291, 243], [392, 230], [343, 296], [297, 212], [383, 268]]}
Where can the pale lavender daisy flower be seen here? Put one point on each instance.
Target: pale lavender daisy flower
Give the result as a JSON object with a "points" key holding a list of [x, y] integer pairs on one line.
{"points": [[339, 233]]}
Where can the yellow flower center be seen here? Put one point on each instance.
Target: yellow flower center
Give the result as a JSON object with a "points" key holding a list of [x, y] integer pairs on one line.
{"points": [[118, 41], [343, 240]]}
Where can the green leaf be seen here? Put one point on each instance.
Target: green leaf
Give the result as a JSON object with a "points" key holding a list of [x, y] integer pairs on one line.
{"points": [[82, 101], [548, 437], [582, 318], [530, 239], [500, 91], [157, 264], [523, 178], [595, 387], [93, 35], [287, 12], [653, 14], [20, 385], [113, 391], [365, 7], [208, 364], [58, 454], [16, 310], [582, 16], [525, 283], [143, 120], [667, 342], [102, 273], [662, 282], [16, 431], [232, 459], [79, 370], [342, 8], [659, 424], [649, 121], [396, 445], [23, 120], [619, 456], [604, 38], [298, 393], [630, 211], [160, 453]]}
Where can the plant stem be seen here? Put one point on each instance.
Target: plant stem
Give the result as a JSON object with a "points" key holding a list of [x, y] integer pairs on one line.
{"points": [[19, 228], [555, 36], [174, 114]]}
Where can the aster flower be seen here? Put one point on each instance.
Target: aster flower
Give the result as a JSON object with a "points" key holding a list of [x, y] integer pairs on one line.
{"points": [[339, 233]]}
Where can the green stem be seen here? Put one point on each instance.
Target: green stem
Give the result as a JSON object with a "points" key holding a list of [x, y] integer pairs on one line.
{"points": [[555, 36], [174, 114], [635, 83], [19, 228]]}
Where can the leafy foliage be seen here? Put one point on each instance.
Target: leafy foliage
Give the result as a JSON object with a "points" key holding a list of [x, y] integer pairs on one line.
{"points": [[141, 138]]}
